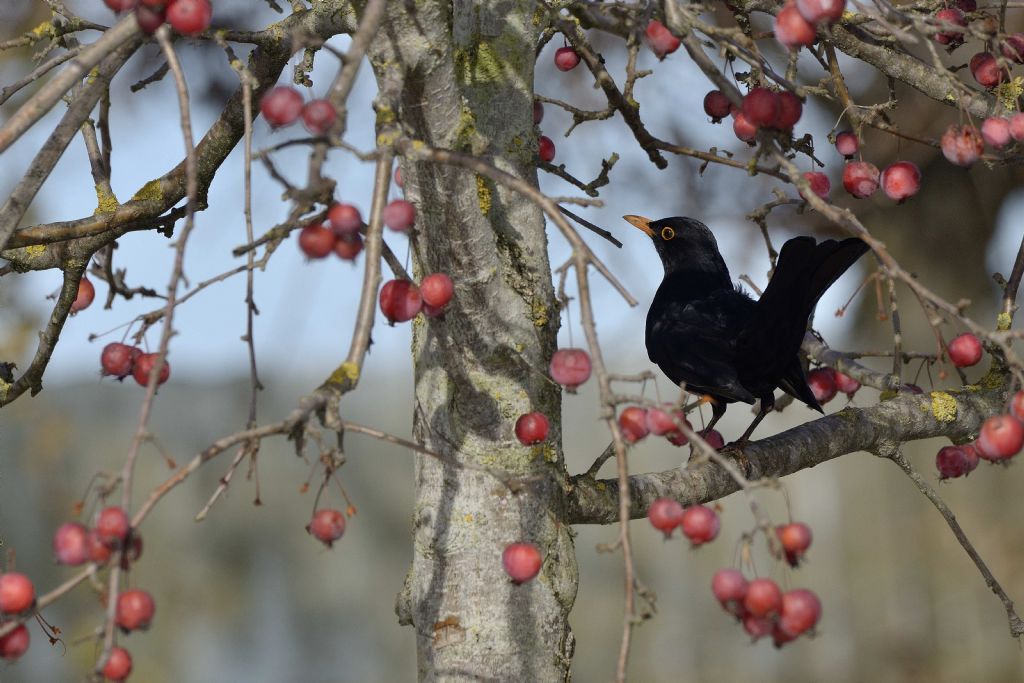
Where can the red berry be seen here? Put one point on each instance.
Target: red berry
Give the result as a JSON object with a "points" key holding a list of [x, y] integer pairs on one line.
{"points": [[189, 17], [860, 178], [1017, 405], [437, 290], [713, 437], [398, 178], [792, 30], [118, 666], [121, 5], [823, 384], [971, 453], [116, 360], [665, 514], [790, 111], [795, 539], [545, 148], [570, 368], [532, 428], [399, 215], [995, 130], [14, 644], [345, 219], [135, 609], [965, 350], [280, 106], [566, 58], [761, 107], [86, 293], [986, 70], [716, 105], [327, 526], [700, 524], [113, 525], [318, 116], [633, 423], [901, 180], [962, 145], [99, 552], [660, 39], [16, 593], [819, 182], [847, 143], [730, 588], [954, 17], [522, 561], [744, 129], [1001, 437], [150, 19], [70, 544], [1017, 127], [538, 112], [952, 461], [821, 11], [347, 247], [1013, 47], [764, 598], [801, 610], [144, 363], [316, 241], [400, 301], [757, 627], [846, 384], [666, 422]]}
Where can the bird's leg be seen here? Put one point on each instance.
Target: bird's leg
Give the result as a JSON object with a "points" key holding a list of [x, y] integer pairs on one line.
{"points": [[717, 411], [767, 404]]}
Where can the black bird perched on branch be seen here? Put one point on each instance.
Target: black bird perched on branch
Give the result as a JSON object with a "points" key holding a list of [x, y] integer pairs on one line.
{"points": [[712, 336]]}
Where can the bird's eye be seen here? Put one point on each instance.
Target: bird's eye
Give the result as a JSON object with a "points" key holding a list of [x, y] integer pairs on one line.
{"points": [[667, 233]]}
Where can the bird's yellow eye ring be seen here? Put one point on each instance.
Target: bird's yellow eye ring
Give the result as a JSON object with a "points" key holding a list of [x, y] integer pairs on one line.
{"points": [[667, 233]]}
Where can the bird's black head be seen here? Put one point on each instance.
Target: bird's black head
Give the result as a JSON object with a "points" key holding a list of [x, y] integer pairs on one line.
{"points": [[684, 244]]}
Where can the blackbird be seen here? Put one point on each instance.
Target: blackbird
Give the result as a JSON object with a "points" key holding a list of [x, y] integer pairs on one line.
{"points": [[706, 333]]}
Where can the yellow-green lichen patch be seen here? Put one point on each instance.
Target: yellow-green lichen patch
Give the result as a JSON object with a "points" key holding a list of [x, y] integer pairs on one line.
{"points": [[152, 191], [1003, 322], [346, 371], [1008, 93], [106, 202], [540, 313], [943, 406], [483, 195]]}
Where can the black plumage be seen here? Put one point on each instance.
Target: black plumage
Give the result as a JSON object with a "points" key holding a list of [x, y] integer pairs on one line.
{"points": [[704, 332]]}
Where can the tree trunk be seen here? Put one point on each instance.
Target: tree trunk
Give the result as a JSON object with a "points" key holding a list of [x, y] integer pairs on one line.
{"points": [[462, 76]]}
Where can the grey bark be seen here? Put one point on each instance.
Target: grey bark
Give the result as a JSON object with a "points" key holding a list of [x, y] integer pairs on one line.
{"points": [[461, 75]]}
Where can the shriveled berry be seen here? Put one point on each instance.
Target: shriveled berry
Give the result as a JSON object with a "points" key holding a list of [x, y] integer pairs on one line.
{"points": [[1001, 437], [660, 39], [795, 539], [532, 428], [144, 363], [901, 180], [86, 293], [570, 368], [14, 644], [846, 384], [399, 215], [860, 179], [819, 182], [522, 561], [135, 610], [345, 219], [633, 423], [800, 612], [17, 593], [764, 598], [327, 525], [953, 17], [665, 514], [821, 11], [316, 241], [951, 461], [545, 148], [792, 30], [847, 143], [962, 145], [400, 301], [566, 59], [118, 666], [761, 106], [116, 360], [730, 588], [716, 105], [281, 106], [70, 544], [318, 116], [823, 384], [347, 247], [437, 290], [965, 350], [700, 524]]}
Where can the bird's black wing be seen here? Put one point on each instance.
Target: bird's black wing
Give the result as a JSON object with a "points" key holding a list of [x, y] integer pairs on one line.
{"points": [[695, 342]]}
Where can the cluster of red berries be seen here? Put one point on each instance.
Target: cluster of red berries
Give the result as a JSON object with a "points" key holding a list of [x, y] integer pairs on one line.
{"points": [[74, 544], [120, 360], [761, 108], [283, 105], [327, 526], [698, 523], [187, 17], [402, 300], [826, 382], [545, 147], [636, 423], [1001, 437], [900, 180], [17, 596], [762, 607], [796, 24]]}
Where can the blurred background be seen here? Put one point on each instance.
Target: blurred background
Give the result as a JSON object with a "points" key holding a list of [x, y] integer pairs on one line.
{"points": [[247, 595]]}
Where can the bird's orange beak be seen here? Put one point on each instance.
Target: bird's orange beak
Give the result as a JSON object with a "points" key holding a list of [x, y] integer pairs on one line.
{"points": [[640, 222]]}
